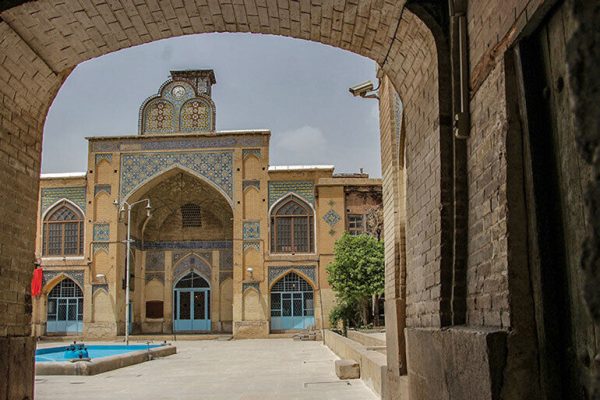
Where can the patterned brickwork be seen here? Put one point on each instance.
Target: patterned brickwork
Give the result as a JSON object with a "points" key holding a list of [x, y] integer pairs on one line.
{"points": [[278, 189], [49, 196], [217, 167]]}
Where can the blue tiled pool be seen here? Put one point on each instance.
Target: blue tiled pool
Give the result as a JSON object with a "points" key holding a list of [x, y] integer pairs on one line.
{"points": [[94, 351]]}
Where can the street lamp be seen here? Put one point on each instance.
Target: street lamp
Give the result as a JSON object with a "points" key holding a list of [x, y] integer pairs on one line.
{"points": [[127, 257]]}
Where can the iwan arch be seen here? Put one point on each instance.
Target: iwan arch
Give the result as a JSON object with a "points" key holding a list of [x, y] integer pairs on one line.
{"points": [[464, 215]]}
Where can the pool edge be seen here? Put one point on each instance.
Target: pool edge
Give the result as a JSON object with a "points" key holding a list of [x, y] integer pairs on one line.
{"points": [[103, 364]]}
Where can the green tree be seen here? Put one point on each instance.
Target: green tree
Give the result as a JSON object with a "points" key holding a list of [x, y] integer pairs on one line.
{"points": [[357, 273]]}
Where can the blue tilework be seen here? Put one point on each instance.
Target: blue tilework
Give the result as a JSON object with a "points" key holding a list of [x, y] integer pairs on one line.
{"points": [[217, 167], [308, 270], [103, 156], [251, 152], [101, 189], [278, 189], [49, 196], [192, 244], [251, 230], [101, 232], [205, 142], [331, 218]]}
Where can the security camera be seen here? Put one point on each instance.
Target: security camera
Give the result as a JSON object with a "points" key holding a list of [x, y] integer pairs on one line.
{"points": [[362, 89]]}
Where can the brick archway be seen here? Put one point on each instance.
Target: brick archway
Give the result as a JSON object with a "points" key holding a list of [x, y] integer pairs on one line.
{"points": [[457, 272], [42, 41]]}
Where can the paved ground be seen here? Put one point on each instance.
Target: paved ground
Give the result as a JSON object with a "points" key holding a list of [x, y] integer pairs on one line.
{"points": [[267, 369]]}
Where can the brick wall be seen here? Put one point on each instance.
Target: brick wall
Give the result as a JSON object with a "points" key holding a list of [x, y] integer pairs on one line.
{"points": [[413, 63]]}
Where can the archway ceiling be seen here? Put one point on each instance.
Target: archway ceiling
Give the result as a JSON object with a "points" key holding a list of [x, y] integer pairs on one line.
{"points": [[175, 190], [66, 33]]}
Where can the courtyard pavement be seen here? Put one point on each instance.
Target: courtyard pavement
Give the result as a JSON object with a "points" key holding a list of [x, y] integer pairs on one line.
{"points": [[261, 369]]}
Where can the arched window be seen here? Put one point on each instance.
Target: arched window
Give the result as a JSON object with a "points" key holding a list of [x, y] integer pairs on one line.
{"points": [[292, 229], [65, 308], [63, 231], [292, 304], [191, 215]]}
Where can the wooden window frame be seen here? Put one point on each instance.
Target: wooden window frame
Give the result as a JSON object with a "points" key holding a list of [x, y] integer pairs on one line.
{"points": [[310, 232], [47, 223]]}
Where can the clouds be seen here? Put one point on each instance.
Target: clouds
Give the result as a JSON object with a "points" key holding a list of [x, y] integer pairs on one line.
{"points": [[304, 145], [297, 89]]}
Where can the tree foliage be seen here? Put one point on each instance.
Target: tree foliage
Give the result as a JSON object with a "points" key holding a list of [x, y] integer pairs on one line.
{"points": [[358, 269]]}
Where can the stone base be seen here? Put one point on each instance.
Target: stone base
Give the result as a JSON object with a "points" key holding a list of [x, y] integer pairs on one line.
{"points": [[455, 363], [17, 367], [250, 329], [347, 369], [99, 330]]}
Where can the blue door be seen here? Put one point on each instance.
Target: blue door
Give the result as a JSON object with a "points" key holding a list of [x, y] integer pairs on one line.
{"points": [[65, 308], [191, 303], [292, 304]]}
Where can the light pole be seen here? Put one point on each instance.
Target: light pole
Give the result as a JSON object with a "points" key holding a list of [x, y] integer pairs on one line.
{"points": [[127, 257]]}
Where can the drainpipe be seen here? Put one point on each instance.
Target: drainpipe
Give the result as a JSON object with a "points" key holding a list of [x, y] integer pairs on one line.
{"points": [[459, 58]]}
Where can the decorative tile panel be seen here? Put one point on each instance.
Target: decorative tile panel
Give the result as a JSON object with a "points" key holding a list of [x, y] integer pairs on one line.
{"points": [[278, 189], [196, 116], [192, 263], [50, 196], [99, 286], [102, 189], [206, 142], [98, 247], [226, 260], [75, 275], [251, 230], [103, 157], [308, 270], [191, 245], [251, 152], [177, 108], [159, 276], [252, 245], [223, 275], [331, 218], [216, 167], [101, 232], [155, 261], [159, 117], [250, 285], [179, 254], [251, 184]]}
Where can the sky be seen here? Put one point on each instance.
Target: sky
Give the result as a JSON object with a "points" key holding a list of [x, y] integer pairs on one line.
{"points": [[297, 89]]}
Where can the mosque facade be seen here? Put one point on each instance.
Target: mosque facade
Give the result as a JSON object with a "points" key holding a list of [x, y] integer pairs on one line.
{"points": [[220, 240]]}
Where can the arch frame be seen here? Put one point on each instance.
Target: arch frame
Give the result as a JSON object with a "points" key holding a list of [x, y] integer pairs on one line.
{"points": [[181, 168], [283, 199], [177, 276]]}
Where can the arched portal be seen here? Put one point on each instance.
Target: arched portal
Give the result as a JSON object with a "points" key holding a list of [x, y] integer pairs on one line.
{"points": [[65, 308], [292, 304], [191, 304]]}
